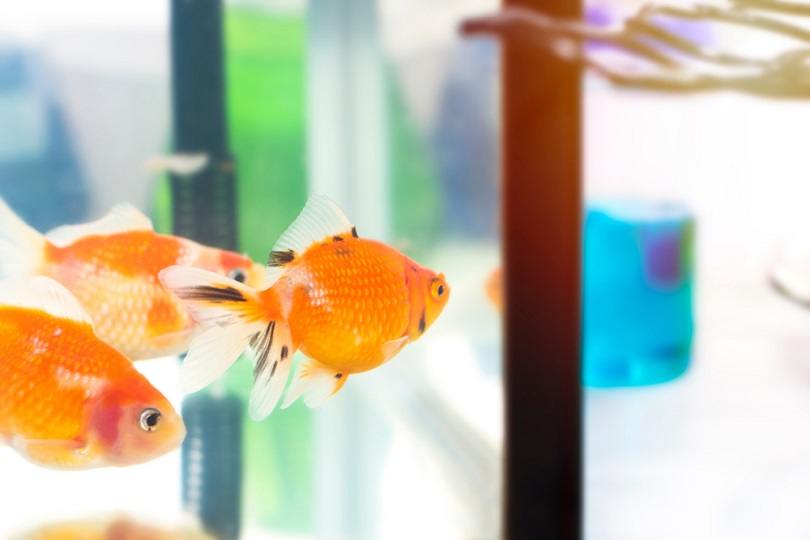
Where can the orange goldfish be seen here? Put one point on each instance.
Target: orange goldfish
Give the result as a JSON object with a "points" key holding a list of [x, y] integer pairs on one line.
{"points": [[347, 303], [111, 266], [494, 288], [120, 528], [67, 399]]}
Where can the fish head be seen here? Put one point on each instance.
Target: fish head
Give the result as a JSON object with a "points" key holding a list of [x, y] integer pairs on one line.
{"points": [[133, 423], [429, 293], [238, 267]]}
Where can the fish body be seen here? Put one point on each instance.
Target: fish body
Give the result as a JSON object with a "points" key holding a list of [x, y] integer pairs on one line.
{"points": [[112, 267], [344, 301], [348, 303], [69, 400]]}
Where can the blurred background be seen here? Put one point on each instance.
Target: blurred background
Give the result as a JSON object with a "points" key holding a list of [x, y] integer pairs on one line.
{"points": [[385, 108]]}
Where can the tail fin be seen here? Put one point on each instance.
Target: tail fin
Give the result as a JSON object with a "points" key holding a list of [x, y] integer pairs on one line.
{"points": [[22, 248], [233, 318]]}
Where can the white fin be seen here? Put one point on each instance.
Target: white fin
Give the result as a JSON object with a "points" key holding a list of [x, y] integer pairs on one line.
{"points": [[45, 294], [22, 247], [229, 311], [212, 353], [315, 382], [121, 218], [53, 453], [273, 349], [321, 218], [212, 298], [179, 164], [233, 315]]}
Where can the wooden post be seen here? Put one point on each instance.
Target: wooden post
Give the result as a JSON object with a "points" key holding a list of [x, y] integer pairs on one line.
{"points": [[542, 216]]}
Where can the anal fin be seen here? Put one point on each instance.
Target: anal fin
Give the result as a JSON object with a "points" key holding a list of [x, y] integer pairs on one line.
{"points": [[55, 453], [315, 382]]}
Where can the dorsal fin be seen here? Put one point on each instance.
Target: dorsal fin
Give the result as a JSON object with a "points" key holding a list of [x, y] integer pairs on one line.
{"points": [[121, 218], [42, 293], [320, 219]]}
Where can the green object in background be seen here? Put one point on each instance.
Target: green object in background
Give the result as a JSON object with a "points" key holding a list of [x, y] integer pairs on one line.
{"points": [[415, 193], [266, 93]]}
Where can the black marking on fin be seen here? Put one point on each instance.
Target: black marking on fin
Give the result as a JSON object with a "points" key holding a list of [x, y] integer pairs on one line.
{"points": [[211, 294], [354, 232], [337, 238], [338, 375], [284, 352], [263, 345], [422, 323], [280, 258], [273, 369]]}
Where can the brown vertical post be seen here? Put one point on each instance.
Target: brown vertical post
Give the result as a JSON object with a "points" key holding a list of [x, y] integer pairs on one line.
{"points": [[542, 242]]}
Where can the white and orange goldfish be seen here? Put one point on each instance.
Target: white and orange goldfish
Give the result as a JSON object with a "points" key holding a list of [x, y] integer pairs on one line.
{"points": [[67, 399], [111, 266], [348, 303]]}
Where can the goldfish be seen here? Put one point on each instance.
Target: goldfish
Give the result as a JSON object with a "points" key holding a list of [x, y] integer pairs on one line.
{"points": [[111, 265], [493, 286], [117, 528], [349, 304], [68, 400]]}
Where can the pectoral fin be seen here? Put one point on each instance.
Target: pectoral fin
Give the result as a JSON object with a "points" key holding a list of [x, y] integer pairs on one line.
{"points": [[391, 348], [54, 453]]}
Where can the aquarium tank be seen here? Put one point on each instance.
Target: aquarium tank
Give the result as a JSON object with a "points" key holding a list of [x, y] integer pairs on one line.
{"points": [[103, 105], [380, 270]]}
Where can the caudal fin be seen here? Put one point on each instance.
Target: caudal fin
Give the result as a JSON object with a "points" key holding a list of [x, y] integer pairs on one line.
{"points": [[233, 319], [22, 248]]}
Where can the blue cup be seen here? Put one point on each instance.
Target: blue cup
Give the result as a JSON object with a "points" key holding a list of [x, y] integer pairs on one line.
{"points": [[638, 290]]}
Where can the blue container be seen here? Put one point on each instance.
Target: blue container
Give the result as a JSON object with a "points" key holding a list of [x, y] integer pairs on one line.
{"points": [[638, 288]]}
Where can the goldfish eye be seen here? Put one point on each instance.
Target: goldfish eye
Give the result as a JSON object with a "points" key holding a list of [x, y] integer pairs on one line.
{"points": [[150, 418], [437, 289], [237, 274]]}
